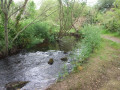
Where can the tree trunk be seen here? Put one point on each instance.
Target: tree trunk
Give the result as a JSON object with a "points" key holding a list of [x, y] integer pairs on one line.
{"points": [[6, 34], [61, 19]]}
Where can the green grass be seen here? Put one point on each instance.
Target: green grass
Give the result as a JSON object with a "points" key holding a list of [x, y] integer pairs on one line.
{"points": [[113, 44], [115, 34], [105, 43]]}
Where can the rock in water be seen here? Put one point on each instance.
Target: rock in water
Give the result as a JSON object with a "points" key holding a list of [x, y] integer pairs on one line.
{"points": [[65, 52], [64, 59], [51, 61], [15, 85]]}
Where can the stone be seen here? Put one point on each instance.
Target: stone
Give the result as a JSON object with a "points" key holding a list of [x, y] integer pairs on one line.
{"points": [[15, 85], [64, 59], [65, 52], [51, 61]]}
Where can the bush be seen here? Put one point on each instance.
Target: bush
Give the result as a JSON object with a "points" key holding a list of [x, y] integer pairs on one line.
{"points": [[111, 20], [90, 42], [35, 34], [1, 38]]}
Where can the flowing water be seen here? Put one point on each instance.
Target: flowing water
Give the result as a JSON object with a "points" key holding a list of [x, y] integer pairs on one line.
{"points": [[33, 67]]}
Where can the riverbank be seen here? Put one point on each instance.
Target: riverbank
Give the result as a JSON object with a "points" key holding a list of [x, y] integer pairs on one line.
{"points": [[17, 49], [102, 71]]}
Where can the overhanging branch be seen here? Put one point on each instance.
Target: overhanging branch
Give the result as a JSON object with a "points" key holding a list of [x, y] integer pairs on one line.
{"points": [[34, 21]]}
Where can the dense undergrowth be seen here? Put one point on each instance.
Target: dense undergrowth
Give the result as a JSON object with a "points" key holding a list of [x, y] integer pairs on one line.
{"points": [[109, 17], [34, 34], [91, 40], [37, 33]]}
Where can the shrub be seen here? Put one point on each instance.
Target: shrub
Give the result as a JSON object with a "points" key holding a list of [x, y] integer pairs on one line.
{"points": [[1, 38], [90, 42], [35, 34], [111, 20]]}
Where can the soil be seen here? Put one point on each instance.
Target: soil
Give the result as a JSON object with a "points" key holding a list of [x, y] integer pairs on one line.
{"points": [[101, 72]]}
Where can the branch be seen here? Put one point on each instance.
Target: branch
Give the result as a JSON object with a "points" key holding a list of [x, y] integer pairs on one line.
{"points": [[19, 8], [20, 14], [15, 12], [46, 16], [9, 4], [1, 4], [5, 2], [29, 25]]}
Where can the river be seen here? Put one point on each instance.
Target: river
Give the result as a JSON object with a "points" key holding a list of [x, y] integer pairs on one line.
{"points": [[33, 67]]}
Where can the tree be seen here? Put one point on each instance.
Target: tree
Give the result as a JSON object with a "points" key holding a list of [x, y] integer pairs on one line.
{"points": [[30, 9], [5, 11], [9, 12], [105, 4], [67, 14]]}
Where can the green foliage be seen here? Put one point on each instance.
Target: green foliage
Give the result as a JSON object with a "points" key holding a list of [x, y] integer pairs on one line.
{"points": [[2, 44], [90, 42], [35, 33], [63, 74], [91, 36], [1, 38], [111, 18], [31, 9], [105, 4]]}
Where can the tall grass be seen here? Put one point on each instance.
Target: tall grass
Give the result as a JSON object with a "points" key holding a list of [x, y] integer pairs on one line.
{"points": [[91, 41]]}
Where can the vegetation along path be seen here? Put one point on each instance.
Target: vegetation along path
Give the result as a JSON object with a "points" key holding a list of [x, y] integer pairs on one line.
{"points": [[114, 39], [101, 72]]}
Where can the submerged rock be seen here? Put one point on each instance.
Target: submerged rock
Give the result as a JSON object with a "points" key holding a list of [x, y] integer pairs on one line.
{"points": [[64, 59], [65, 52], [15, 85], [51, 61]]}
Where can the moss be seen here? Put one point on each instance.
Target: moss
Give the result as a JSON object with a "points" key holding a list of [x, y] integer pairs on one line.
{"points": [[51, 61], [64, 59]]}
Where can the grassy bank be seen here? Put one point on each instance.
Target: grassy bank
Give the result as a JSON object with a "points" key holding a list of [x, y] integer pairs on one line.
{"points": [[101, 71], [91, 40], [115, 34]]}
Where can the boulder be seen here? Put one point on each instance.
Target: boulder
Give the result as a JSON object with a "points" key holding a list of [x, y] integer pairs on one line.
{"points": [[15, 85], [51, 61], [64, 59], [65, 52]]}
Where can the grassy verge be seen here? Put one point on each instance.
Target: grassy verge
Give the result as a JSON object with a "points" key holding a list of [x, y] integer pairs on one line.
{"points": [[115, 34], [91, 41], [99, 73]]}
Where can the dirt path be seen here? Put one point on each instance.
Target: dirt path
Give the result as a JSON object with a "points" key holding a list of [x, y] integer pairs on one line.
{"points": [[114, 39], [101, 72]]}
